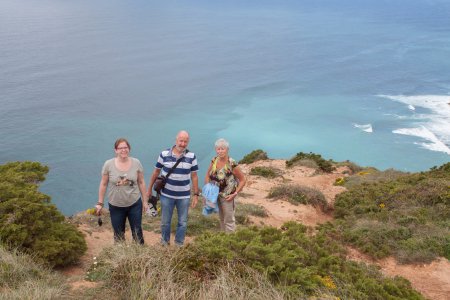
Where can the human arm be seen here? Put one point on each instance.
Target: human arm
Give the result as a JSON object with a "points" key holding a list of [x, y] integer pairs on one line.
{"points": [[194, 178], [207, 179], [242, 180], [141, 185], [155, 175], [101, 193]]}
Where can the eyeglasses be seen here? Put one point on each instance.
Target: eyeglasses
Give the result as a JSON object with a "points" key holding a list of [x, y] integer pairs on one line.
{"points": [[122, 148]]}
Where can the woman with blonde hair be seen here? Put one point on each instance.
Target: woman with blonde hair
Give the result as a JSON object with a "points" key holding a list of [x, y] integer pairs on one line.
{"points": [[225, 173]]}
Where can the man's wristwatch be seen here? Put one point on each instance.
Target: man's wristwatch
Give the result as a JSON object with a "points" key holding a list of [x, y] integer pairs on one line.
{"points": [[197, 194]]}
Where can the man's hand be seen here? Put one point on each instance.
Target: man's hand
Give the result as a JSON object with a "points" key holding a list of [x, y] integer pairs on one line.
{"points": [[194, 201]]}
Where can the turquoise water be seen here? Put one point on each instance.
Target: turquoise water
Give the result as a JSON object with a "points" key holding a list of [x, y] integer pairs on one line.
{"points": [[366, 81]]}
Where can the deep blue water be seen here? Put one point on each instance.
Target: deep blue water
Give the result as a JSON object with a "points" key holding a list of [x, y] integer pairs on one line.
{"points": [[367, 81]]}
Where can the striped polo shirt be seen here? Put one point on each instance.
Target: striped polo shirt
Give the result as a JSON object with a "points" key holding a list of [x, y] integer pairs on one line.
{"points": [[178, 184]]}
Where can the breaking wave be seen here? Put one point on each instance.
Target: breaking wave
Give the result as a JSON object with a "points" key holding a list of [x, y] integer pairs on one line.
{"points": [[364, 127], [434, 126]]}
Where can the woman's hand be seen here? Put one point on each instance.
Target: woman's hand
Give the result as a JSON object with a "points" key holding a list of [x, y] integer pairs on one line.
{"points": [[144, 206], [98, 209], [231, 197]]}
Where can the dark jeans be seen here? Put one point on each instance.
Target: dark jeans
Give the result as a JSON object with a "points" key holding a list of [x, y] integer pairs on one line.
{"points": [[119, 216]]}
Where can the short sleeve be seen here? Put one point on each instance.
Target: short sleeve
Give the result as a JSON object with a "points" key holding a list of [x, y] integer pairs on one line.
{"points": [[159, 162], [139, 166], [233, 163], [194, 166], [105, 168]]}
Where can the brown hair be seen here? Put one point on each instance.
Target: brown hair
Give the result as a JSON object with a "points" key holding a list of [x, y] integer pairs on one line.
{"points": [[120, 140]]}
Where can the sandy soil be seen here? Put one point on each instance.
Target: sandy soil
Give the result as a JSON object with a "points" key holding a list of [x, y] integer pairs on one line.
{"points": [[432, 280]]}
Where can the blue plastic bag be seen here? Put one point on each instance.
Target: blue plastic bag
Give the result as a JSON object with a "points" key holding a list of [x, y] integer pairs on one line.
{"points": [[210, 192]]}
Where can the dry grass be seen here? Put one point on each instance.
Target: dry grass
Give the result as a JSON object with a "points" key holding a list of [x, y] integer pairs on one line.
{"points": [[22, 278], [137, 272]]}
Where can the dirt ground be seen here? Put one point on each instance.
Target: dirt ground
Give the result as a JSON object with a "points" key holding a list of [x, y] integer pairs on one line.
{"points": [[432, 280]]}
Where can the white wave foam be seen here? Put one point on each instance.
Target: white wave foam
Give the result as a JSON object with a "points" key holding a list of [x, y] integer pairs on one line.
{"points": [[437, 121], [411, 107], [433, 143], [364, 127]]}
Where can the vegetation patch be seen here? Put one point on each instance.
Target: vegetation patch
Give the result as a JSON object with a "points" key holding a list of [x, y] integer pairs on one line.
{"points": [[298, 264], [244, 210], [253, 156], [322, 164], [372, 175], [266, 172], [197, 222], [353, 167], [22, 278], [253, 263], [137, 272], [408, 217], [340, 181], [298, 194], [29, 222]]}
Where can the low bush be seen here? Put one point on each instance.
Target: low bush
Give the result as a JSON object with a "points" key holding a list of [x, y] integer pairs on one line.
{"points": [[29, 222], [253, 263], [323, 165], [253, 156], [297, 194], [266, 172], [372, 175], [244, 210], [407, 217], [298, 264]]}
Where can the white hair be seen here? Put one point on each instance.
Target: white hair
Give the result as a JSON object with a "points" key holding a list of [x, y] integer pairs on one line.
{"points": [[222, 143]]}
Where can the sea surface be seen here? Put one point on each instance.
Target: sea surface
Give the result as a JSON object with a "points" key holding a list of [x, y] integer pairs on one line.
{"points": [[366, 81]]}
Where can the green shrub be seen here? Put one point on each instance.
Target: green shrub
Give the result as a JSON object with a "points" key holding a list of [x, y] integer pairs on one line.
{"points": [[297, 194], [372, 175], [323, 165], [300, 265], [253, 156], [266, 172], [407, 217], [29, 222], [253, 263]]}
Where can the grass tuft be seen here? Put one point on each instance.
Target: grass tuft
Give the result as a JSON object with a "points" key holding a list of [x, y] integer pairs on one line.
{"points": [[297, 194], [22, 278], [266, 172]]}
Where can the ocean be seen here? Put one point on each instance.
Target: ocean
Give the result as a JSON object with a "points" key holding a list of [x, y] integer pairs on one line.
{"points": [[366, 81]]}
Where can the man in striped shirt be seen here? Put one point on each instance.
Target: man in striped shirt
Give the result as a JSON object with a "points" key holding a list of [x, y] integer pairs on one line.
{"points": [[177, 191]]}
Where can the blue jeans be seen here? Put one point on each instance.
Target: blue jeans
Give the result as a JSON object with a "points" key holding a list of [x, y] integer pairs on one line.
{"points": [[119, 216], [167, 206]]}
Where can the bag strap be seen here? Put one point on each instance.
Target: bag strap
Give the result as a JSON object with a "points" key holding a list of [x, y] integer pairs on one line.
{"points": [[176, 164]]}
